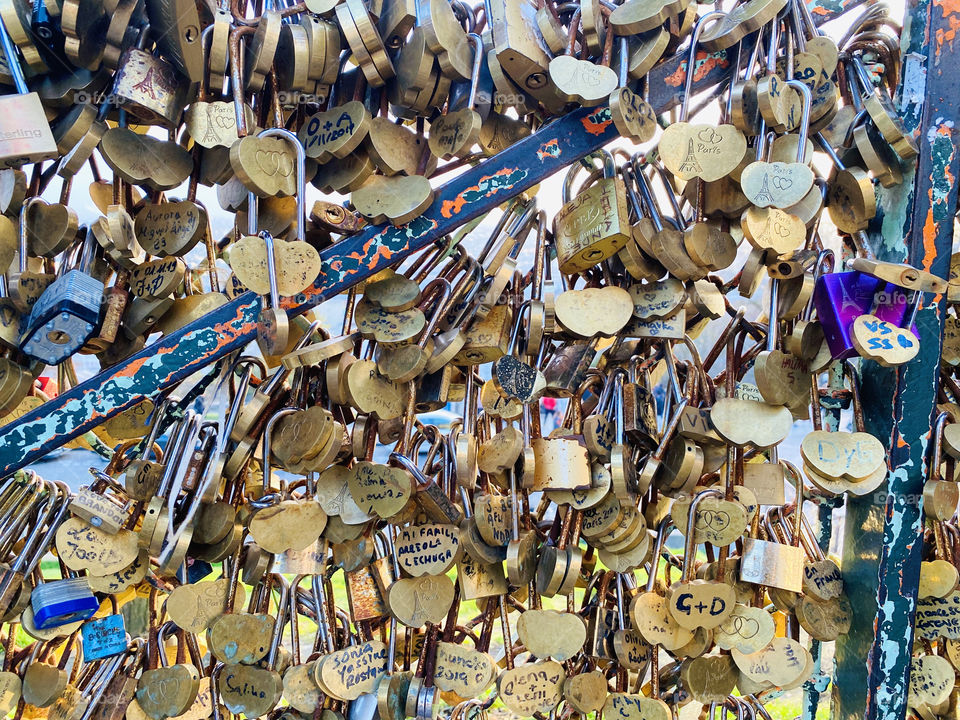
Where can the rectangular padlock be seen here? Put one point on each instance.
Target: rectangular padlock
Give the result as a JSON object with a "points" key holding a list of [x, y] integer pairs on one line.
{"points": [[25, 135], [61, 602], [772, 564]]}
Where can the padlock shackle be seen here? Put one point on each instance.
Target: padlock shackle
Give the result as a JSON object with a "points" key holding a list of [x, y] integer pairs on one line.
{"points": [[477, 42], [690, 544], [692, 61], [301, 172], [267, 435], [936, 450], [807, 99]]}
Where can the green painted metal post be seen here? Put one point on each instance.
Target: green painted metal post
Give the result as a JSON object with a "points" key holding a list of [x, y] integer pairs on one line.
{"points": [[882, 538]]}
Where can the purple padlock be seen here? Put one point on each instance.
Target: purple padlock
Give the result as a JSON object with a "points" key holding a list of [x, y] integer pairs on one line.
{"points": [[840, 298]]}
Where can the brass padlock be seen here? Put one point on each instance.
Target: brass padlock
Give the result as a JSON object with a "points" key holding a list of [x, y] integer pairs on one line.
{"points": [[595, 224], [147, 86], [25, 135]]}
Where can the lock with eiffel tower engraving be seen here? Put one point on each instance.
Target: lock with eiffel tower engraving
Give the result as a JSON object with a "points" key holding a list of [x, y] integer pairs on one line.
{"points": [[148, 87]]}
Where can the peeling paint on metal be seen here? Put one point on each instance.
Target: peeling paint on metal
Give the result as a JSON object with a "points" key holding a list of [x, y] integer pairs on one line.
{"points": [[551, 148], [597, 123], [502, 181], [703, 64], [914, 79]]}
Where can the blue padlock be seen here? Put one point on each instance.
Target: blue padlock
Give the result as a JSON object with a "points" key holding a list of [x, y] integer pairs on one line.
{"points": [[67, 313]]}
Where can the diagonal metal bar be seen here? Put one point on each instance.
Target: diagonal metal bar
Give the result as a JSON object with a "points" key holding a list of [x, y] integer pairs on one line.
{"points": [[471, 194]]}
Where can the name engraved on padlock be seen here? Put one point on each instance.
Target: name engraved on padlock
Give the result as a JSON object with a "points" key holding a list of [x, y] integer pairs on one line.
{"points": [[829, 583], [84, 547], [121, 579], [353, 671], [156, 278], [494, 520], [168, 228], [601, 517], [939, 617], [532, 688], [97, 510], [631, 649], [672, 328], [462, 670], [309, 561], [334, 132], [635, 707], [427, 549], [448, 136]]}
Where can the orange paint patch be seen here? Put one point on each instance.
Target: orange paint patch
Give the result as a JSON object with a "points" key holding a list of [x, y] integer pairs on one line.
{"points": [[551, 148], [486, 187], [951, 13], [593, 127], [704, 63]]}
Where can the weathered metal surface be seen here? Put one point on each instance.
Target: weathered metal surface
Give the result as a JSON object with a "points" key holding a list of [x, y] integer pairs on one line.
{"points": [[231, 326], [882, 539]]}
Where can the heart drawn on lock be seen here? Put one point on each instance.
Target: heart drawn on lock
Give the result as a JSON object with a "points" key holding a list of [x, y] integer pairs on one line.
{"points": [[719, 522], [776, 184], [582, 81], [168, 691], [702, 151], [265, 165], [748, 629]]}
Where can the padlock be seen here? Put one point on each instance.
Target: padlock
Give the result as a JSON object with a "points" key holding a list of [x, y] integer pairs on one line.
{"points": [[147, 86], [120, 686], [68, 312], [567, 367], [25, 135], [595, 224], [841, 297], [14, 585], [62, 601], [775, 564]]}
